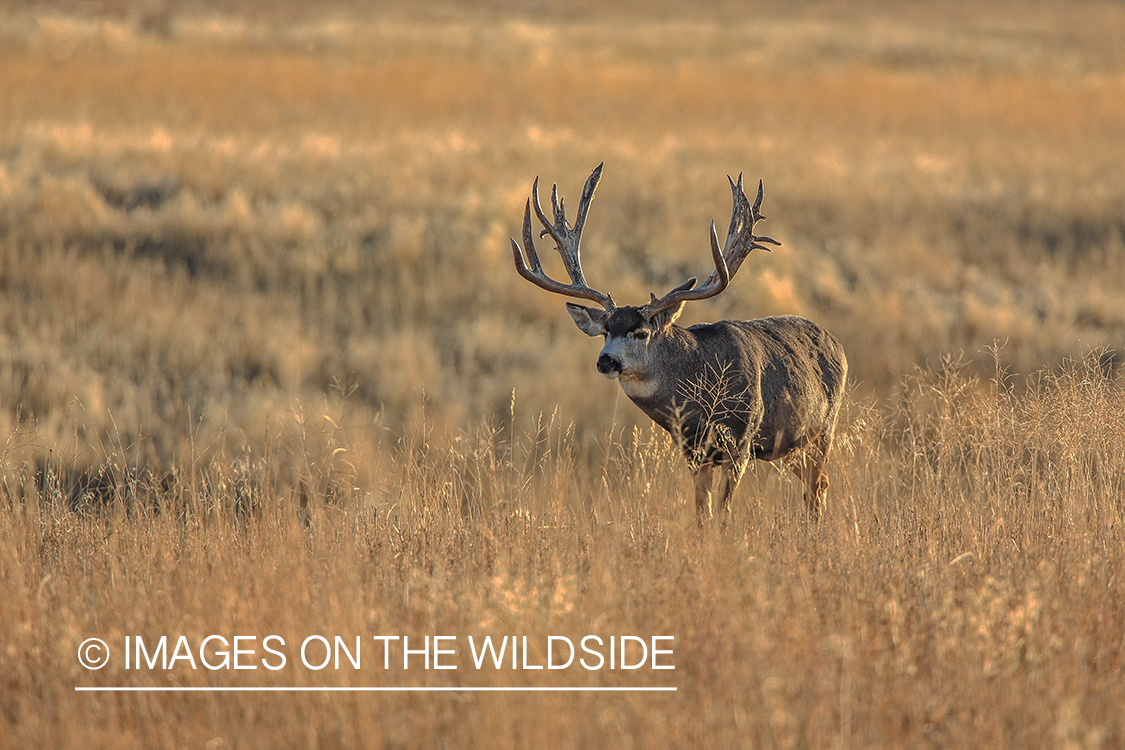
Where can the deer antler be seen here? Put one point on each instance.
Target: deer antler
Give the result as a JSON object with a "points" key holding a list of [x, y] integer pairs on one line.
{"points": [[740, 241], [567, 243]]}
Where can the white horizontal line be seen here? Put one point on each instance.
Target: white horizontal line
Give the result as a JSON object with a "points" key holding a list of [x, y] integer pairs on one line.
{"points": [[288, 689]]}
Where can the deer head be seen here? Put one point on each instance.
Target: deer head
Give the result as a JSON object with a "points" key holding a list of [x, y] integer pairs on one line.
{"points": [[631, 332]]}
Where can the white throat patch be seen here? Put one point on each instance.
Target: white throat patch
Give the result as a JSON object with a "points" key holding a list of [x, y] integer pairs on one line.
{"points": [[636, 387]]}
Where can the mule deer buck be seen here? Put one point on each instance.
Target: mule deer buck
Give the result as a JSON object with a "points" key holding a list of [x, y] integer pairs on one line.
{"points": [[727, 392]]}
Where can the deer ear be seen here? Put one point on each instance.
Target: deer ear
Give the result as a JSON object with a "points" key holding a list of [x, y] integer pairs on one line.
{"points": [[589, 320], [665, 318]]}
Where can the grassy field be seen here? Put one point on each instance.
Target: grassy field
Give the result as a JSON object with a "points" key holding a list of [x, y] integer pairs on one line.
{"points": [[265, 368]]}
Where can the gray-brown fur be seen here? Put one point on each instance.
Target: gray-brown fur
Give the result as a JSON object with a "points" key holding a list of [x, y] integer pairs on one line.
{"points": [[783, 376], [728, 392]]}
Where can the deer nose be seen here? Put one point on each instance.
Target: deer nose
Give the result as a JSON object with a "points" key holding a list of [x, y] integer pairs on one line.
{"points": [[608, 364]]}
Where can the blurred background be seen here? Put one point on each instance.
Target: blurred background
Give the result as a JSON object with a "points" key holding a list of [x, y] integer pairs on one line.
{"points": [[220, 218]]}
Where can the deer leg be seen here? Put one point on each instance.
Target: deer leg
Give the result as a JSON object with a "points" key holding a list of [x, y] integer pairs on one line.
{"points": [[800, 465], [703, 481], [818, 477], [808, 465], [731, 475]]}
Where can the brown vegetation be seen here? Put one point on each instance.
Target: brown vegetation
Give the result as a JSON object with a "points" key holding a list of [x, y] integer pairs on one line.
{"points": [[265, 367]]}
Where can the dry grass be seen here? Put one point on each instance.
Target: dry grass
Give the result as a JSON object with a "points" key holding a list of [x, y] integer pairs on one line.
{"points": [[271, 209], [963, 589], [266, 367]]}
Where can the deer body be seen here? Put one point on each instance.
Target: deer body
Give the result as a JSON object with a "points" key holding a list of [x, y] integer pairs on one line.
{"points": [[728, 392], [780, 398]]}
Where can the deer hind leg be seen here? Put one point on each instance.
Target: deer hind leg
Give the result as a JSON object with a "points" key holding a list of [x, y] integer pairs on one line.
{"points": [[703, 481], [808, 465]]}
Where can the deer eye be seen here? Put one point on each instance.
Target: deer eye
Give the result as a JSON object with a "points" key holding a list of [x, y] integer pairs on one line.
{"points": [[640, 334]]}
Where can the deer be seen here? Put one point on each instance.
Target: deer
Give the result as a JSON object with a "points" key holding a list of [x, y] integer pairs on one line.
{"points": [[727, 392]]}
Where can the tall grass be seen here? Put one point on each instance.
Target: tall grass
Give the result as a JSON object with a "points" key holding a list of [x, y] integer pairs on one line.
{"points": [[215, 222], [962, 589], [265, 368]]}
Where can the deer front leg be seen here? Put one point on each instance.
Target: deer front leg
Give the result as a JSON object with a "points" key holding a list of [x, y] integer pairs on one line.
{"points": [[703, 481]]}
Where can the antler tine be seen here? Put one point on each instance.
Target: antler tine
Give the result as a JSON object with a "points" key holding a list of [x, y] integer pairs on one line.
{"points": [[741, 239], [739, 242], [529, 240], [567, 242], [557, 207], [759, 217], [737, 213], [587, 195]]}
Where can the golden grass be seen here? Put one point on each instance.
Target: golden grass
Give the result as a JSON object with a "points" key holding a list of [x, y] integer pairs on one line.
{"points": [[266, 368], [962, 590], [352, 188]]}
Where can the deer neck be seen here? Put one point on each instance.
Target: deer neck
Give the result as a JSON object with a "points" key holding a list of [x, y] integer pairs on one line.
{"points": [[640, 386]]}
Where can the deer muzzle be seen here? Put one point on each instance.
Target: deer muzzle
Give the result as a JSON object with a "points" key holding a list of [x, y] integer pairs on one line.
{"points": [[609, 365]]}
